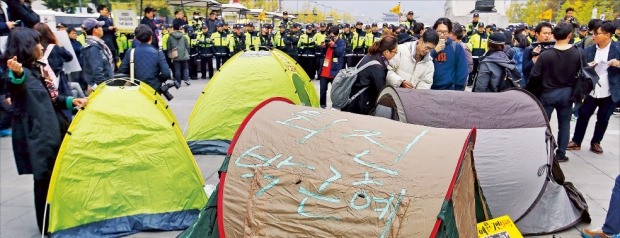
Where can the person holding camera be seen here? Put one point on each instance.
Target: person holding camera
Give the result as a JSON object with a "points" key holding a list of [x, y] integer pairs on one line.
{"points": [[552, 80], [531, 53], [152, 62], [333, 61], [569, 18]]}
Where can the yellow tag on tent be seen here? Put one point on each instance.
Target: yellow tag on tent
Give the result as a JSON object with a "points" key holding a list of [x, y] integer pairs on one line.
{"points": [[498, 227], [396, 9], [261, 16], [546, 14]]}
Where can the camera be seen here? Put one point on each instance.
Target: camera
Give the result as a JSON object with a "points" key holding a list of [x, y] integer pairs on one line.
{"points": [[165, 89], [543, 46]]}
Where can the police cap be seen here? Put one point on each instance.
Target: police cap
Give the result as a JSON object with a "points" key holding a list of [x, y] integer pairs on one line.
{"points": [[346, 25], [219, 24], [410, 13], [322, 24], [374, 24], [583, 28]]}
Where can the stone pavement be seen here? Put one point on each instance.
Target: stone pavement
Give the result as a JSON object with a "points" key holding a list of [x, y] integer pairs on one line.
{"points": [[592, 174]]}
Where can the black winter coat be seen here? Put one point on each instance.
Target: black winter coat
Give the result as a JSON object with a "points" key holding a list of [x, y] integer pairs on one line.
{"points": [[57, 58], [372, 77], [23, 12], [38, 125]]}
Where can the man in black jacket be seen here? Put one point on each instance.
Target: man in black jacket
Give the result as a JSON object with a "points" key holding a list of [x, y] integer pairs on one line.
{"points": [[149, 16], [152, 63], [212, 21], [21, 10], [108, 29]]}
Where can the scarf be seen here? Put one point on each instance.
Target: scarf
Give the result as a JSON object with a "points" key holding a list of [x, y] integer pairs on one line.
{"points": [[91, 40]]}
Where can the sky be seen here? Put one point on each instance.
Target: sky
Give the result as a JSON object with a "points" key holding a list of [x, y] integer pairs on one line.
{"points": [[428, 10]]}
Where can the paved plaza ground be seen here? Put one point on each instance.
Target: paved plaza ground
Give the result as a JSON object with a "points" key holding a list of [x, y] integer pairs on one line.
{"points": [[592, 174]]}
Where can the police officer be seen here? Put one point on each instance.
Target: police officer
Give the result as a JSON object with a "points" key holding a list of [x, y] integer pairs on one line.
{"points": [[164, 41], [266, 39], [347, 36], [478, 46], [287, 23], [238, 39], [319, 38], [307, 50], [291, 40], [123, 44], [358, 43], [278, 37], [196, 21], [252, 39], [409, 23], [193, 32], [205, 46], [473, 26], [583, 33], [221, 45], [373, 36]]}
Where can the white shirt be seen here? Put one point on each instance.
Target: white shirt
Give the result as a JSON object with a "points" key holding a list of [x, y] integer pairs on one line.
{"points": [[601, 89]]}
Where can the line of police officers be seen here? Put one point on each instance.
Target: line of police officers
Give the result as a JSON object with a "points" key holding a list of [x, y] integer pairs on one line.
{"points": [[304, 47]]}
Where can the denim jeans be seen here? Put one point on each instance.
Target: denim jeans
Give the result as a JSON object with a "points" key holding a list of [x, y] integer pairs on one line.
{"points": [[323, 99], [606, 108], [612, 222], [181, 72], [559, 100]]}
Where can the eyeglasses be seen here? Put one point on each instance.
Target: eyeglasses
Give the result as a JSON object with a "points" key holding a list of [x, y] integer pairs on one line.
{"points": [[442, 32]]}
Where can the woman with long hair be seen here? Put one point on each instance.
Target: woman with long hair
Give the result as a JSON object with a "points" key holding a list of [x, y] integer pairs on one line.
{"points": [[371, 80], [38, 123]]}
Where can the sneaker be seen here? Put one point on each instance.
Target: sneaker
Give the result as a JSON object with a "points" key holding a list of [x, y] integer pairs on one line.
{"points": [[187, 82], [5, 133], [594, 234], [573, 118], [562, 159], [617, 111]]}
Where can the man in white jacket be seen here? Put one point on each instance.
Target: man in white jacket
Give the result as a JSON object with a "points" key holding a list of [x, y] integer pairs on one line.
{"points": [[412, 67]]}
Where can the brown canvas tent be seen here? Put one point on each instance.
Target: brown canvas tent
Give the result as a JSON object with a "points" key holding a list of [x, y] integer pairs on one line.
{"points": [[514, 151], [295, 171]]}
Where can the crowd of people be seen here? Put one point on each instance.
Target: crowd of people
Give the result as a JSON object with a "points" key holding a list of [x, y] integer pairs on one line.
{"points": [[547, 60]]}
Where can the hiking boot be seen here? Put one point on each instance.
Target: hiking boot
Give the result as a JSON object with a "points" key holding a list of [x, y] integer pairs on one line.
{"points": [[596, 148], [187, 82], [594, 234], [573, 146]]}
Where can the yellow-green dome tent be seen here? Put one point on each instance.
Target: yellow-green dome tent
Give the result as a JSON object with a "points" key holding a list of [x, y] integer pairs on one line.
{"points": [[244, 81], [124, 167]]}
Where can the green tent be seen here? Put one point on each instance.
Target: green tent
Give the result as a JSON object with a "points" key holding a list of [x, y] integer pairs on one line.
{"points": [[244, 81], [124, 167]]}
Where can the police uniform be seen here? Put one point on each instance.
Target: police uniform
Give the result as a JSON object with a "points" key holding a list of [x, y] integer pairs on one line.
{"points": [[358, 43], [372, 37], [290, 42], [266, 40], [193, 54], [409, 24], [348, 46], [278, 38], [221, 46], [123, 44], [205, 52], [478, 46], [252, 39], [307, 51], [238, 41]]}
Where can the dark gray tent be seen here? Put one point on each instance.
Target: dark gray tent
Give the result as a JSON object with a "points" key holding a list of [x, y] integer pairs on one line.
{"points": [[514, 151]]}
